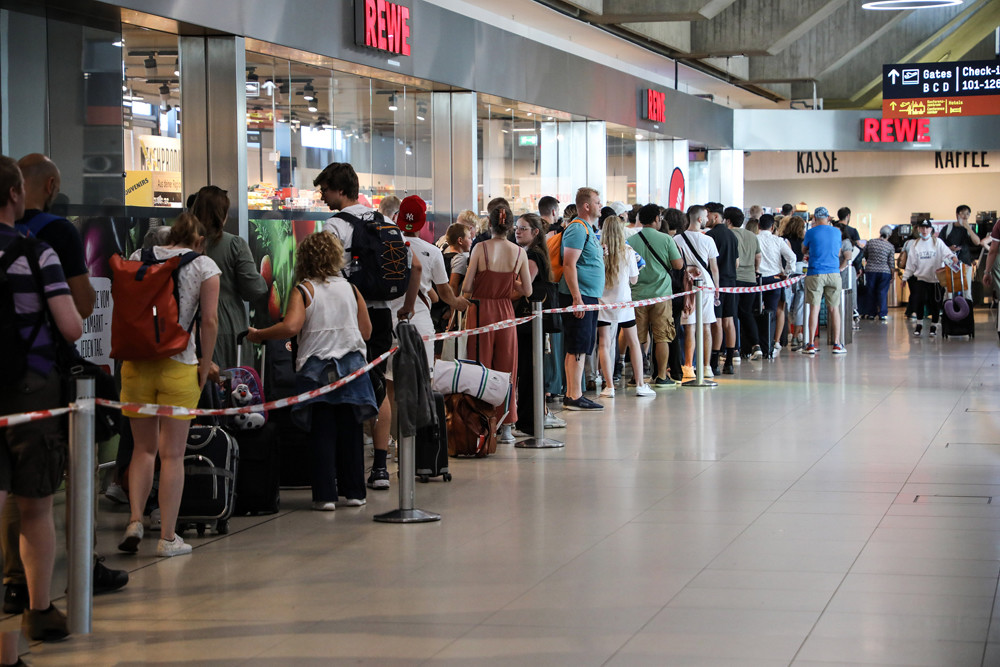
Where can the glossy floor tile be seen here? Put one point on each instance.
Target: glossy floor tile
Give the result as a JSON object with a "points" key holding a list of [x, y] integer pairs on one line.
{"points": [[808, 511]]}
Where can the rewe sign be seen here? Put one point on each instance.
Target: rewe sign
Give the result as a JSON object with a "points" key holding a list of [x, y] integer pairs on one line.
{"points": [[895, 130], [385, 26]]}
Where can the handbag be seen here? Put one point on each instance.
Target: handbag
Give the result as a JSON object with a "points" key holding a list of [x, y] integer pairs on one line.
{"points": [[455, 348], [471, 378]]}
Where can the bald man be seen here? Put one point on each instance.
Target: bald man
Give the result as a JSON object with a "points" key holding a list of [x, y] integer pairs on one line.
{"points": [[41, 185]]}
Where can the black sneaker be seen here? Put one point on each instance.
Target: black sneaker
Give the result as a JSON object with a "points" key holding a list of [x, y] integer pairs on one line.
{"points": [[379, 479], [727, 369], [106, 579], [933, 330], [15, 598], [664, 383], [47, 626], [582, 403]]}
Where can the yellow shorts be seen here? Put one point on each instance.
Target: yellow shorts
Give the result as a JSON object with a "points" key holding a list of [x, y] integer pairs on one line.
{"points": [[163, 382]]}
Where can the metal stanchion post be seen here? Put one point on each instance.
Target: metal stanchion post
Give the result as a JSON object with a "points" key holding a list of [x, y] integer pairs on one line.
{"points": [[407, 476], [807, 334], [699, 341], [539, 441], [81, 510]]}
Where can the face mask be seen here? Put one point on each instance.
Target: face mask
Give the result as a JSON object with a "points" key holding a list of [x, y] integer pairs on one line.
{"points": [[925, 235]]}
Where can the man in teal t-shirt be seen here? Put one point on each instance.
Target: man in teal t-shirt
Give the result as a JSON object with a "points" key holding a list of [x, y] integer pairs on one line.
{"points": [[661, 255], [582, 284]]}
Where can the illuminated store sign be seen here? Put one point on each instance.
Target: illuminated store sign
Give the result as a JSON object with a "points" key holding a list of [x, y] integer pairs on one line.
{"points": [[654, 106], [382, 25], [896, 130]]}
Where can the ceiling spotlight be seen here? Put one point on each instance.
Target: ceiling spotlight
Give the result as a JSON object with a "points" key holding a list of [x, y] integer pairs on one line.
{"points": [[119, 43], [252, 74], [639, 137], [392, 102], [421, 110], [164, 95], [409, 150], [312, 109], [900, 5], [177, 72], [150, 65], [308, 92]]}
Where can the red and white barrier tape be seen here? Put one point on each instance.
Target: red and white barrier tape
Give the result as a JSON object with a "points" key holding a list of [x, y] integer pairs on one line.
{"points": [[173, 411], [755, 288], [25, 417], [618, 306], [496, 326]]}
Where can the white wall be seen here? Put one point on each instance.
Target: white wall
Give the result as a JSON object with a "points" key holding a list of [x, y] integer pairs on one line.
{"points": [[871, 185]]}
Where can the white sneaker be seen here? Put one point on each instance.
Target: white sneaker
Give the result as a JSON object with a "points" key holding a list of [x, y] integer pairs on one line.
{"points": [[174, 547], [644, 390], [116, 493], [608, 392], [505, 437], [133, 535], [708, 372], [352, 502], [737, 359], [324, 507], [688, 372], [154, 519], [776, 350], [551, 421]]}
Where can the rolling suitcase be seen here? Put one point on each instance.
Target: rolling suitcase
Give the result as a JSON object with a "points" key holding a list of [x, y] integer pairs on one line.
{"points": [[294, 446], [257, 486], [211, 461], [765, 332], [963, 326], [432, 446]]}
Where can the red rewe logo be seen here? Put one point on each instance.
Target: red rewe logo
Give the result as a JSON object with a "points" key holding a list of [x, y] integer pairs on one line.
{"points": [[896, 130], [383, 25], [655, 108]]}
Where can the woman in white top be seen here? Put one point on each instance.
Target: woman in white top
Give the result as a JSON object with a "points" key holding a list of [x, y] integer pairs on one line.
{"points": [[701, 257], [330, 319], [923, 259], [178, 381], [621, 271]]}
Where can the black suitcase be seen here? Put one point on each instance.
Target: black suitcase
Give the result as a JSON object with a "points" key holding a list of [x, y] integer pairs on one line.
{"points": [[963, 327], [431, 444], [211, 461], [765, 332], [294, 444]]}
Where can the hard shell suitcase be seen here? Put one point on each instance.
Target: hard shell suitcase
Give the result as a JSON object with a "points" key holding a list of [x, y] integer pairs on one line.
{"points": [[211, 461], [432, 445], [965, 326], [293, 443], [765, 331]]}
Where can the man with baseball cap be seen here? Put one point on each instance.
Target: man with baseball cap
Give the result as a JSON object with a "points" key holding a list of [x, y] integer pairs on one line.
{"points": [[411, 219], [823, 249]]}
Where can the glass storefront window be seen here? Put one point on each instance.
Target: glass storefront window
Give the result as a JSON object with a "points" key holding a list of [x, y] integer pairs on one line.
{"points": [[622, 168], [151, 118]]}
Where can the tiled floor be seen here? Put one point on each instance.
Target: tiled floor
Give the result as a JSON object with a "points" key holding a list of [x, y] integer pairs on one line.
{"points": [[824, 511]]}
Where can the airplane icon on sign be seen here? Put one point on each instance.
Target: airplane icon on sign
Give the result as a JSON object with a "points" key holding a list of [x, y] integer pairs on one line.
{"points": [[911, 77]]}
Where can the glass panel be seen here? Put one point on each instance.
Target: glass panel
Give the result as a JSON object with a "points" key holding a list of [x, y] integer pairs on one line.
{"points": [[622, 175], [152, 118]]}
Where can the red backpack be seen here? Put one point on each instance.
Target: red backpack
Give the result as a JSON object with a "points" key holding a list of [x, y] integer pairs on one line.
{"points": [[145, 323]]}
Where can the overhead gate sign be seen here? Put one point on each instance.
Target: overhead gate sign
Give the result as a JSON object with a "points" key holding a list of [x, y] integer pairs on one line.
{"points": [[970, 88]]}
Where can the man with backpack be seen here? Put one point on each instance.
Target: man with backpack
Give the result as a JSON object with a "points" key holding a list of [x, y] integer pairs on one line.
{"points": [[41, 185], [36, 307], [368, 239]]}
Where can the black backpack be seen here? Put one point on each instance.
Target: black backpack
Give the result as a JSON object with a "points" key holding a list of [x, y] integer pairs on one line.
{"points": [[380, 259], [14, 360]]}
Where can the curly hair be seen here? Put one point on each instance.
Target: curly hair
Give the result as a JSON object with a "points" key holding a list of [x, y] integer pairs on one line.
{"points": [[320, 256]]}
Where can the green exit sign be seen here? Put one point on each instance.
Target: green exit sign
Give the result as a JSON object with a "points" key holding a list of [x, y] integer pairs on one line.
{"points": [[527, 140]]}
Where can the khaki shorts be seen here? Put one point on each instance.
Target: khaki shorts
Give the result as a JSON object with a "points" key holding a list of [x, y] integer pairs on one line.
{"points": [[33, 455], [163, 382], [824, 284], [659, 316]]}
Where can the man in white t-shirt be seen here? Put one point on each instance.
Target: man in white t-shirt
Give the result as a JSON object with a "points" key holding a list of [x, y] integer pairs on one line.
{"points": [[339, 188], [411, 219], [701, 253]]}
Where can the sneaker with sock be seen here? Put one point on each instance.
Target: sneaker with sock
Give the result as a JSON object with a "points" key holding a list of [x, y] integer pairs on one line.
{"points": [[918, 329], [506, 437], [809, 349], [709, 373], [839, 349], [933, 330], [727, 368], [379, 479], [607, 392], [133, 535], [644, 390], [324, 506], [47, 625], [688, 372], [756, 353], [551, 421], [174, 547], [776, 349]]}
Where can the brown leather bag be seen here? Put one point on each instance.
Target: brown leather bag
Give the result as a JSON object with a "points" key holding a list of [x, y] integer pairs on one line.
{"points": [[472, 426]]}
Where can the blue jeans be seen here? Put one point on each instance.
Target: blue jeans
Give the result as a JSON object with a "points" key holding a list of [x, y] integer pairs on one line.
{"points": [[876, 293]]}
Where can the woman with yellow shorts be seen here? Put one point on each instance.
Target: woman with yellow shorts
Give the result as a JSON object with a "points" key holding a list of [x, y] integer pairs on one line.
{"points": [[175, 381]]}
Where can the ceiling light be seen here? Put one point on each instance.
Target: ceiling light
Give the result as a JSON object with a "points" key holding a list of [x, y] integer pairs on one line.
{"points": [[164, 95], [507, 109], [252, 74], [900, 5], [409, 150], [150, 65], [312, 109], [548, 118], [308, 92], [119, 43], [524, 129], [392, 102], [177, 72], [639, 137], [421, 110]]}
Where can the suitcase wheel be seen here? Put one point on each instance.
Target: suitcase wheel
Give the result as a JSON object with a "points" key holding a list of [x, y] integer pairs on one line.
{"points": [[222, 527], [424, 479], [446, 476]]}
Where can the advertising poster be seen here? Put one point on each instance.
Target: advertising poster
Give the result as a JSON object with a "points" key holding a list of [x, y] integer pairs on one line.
{"points": [[273, 244], [168, 189], [95, 343], [138, 188], [159, 153]]}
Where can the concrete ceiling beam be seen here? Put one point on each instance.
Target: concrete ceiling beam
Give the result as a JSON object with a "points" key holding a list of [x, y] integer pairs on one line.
{"points": [[653, 11]]}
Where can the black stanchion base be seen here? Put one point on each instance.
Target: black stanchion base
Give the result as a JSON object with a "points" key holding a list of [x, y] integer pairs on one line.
{"points": [[706, 383], [407, 516], [539, 443]]}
